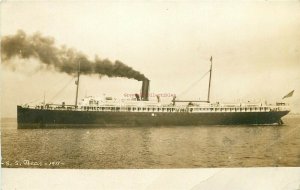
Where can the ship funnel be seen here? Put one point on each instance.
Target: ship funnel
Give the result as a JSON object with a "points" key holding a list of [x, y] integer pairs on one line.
{"points": [[145, 90]]}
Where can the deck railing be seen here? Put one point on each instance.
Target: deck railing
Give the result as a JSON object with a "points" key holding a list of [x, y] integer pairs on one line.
{"points": [[162, 109]]}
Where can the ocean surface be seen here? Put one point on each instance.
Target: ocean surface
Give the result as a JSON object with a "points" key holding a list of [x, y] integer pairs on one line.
{"points": [[152, 147]]}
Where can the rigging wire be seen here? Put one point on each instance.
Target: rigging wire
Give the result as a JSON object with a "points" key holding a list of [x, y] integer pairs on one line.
{"points": [[32, 101], [57, 82], [62, 89], [45, 92], [193, 84]]}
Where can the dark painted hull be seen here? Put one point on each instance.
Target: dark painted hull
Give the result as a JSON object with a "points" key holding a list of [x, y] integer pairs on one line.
{"points": [[37, 118]]}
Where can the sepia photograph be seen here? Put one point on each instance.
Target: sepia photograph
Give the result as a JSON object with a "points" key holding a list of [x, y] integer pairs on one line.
{"points": [[107, 85]]}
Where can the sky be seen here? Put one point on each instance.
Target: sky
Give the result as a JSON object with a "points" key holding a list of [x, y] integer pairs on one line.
{"points": [[255, 48]]}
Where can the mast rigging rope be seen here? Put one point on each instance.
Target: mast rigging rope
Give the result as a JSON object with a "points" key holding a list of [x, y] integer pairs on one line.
{"points": [[62, 89], [193, 84]]}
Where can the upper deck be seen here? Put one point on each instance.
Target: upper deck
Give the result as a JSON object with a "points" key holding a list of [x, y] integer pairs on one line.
{"points": [[111, 105]]}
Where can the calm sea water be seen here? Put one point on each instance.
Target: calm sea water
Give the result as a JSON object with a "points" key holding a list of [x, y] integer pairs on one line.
{"points": [[152, 147]]}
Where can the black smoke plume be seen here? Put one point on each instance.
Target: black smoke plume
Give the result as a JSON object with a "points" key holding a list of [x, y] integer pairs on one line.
{"points": [[62, 59]]}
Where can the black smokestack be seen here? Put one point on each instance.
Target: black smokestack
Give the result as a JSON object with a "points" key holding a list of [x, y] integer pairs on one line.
{"points": [[62, 59], [145, 90]]}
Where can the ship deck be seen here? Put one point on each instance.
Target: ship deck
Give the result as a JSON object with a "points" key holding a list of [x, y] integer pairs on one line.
{"points": [[165, 108]]}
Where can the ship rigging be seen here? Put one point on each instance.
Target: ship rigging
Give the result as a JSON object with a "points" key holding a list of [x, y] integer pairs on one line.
{"points": [[105, 111]]}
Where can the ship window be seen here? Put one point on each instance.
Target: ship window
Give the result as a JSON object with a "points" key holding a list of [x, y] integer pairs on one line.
{"points": [[139, 109], [148, 109], [118, 108], [158, 109], [163, 109], [133, 109]]}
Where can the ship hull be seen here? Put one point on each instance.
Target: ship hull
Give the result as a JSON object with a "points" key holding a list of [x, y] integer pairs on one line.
{"points": [[39, 118]]}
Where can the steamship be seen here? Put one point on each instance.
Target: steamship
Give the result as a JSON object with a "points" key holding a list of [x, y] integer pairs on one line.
{"points": [[140, 111]]}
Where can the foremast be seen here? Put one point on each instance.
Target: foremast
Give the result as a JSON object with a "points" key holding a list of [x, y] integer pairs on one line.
{"points": [[77, 84]]}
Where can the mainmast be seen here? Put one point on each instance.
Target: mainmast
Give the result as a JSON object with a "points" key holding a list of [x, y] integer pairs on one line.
{"points": [[210, 71], [77, 83]]}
